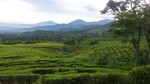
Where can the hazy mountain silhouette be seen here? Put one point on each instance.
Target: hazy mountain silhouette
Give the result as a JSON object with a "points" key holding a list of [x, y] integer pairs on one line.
{"points": [[47, 23], [78, 22], [50, 25]]}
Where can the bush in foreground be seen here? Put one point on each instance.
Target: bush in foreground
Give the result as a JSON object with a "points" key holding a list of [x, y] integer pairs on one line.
{"points": [[87, 79], [18, 79], [140, 75]]}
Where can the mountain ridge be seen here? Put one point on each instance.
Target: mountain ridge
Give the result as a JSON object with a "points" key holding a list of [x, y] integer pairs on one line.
{"points": [[46, 23], [78, 24]]}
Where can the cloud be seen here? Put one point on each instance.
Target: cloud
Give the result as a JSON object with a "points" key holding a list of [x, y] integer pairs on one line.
{"points": [[91, 8], [45, 5], [13, 10], [66, 5], [62, 11]]}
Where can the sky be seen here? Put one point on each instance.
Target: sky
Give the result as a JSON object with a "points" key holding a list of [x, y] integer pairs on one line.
{"points": [[60, 11]]}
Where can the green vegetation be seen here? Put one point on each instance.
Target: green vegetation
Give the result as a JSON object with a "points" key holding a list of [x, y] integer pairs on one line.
{"points": [[141, 75], [93, 60], [132, 21]]}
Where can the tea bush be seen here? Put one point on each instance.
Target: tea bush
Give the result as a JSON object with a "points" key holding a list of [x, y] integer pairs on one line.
{"points": [[141, 75]]}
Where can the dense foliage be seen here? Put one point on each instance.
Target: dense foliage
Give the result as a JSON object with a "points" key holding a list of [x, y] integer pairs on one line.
{"points": [[141, 75], [132, 19]]}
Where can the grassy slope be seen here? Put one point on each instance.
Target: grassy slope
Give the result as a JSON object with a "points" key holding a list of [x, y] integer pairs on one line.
{"points": [[23, 58], [50, 59]]}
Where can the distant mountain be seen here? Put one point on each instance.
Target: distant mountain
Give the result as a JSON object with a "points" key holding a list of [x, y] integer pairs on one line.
{"points": [[82, 22], [101, 22], [47, 23], [74, 25], [12, 27], [78, 22], [50, 25], [19, 27], [64, 27]]}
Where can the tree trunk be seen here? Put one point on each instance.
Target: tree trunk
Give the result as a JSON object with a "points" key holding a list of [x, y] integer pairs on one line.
{"points": [[136, 45], [148, 45], [149, 53], [137, 53]]}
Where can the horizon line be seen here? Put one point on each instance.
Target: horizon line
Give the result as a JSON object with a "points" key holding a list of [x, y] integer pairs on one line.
{"points": [[51, 21]]}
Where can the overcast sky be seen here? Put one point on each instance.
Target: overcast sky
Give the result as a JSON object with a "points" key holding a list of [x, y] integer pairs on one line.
{"points": [[60, 11]]}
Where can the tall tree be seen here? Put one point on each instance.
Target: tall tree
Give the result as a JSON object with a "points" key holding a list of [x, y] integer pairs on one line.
{"points": [[128, 14], [146, 25]]}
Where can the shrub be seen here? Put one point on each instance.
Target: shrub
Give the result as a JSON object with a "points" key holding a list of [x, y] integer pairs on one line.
{"points": [[70, 49], [43, 71], [117, 79], [67, 48], [18, 79], [85, 78], [72, 41], [55, 79], [111, 79], [29, 42], [86, 70], [141, 75], [82, 79], [93, 42], [10, 42]]}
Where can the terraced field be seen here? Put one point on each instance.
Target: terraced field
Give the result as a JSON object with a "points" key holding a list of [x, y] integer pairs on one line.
{"points": [[43, 63]]}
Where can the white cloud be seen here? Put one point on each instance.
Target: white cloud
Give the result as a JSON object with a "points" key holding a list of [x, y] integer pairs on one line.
{"points": [[15, 11], [62, 11]]}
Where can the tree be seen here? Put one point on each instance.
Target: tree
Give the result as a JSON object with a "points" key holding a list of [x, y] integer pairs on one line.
{"points": [[146, 25], [129, 22]]}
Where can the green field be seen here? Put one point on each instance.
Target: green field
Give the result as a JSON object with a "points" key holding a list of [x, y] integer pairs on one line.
{"points": [[44, 62]]}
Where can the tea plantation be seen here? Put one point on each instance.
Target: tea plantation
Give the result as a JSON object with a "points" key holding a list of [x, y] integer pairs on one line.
{"points": [[91, 62]]}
